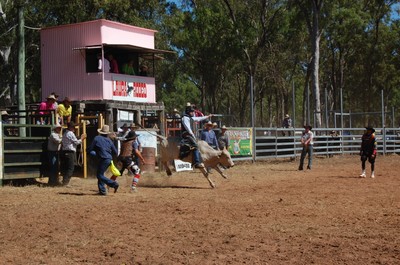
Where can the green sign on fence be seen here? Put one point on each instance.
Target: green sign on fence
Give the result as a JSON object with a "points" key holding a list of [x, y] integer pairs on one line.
{"points": [[240, 141]]}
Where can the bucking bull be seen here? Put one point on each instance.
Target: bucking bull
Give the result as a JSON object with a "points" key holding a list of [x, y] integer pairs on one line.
{"points": [[169, 150]]}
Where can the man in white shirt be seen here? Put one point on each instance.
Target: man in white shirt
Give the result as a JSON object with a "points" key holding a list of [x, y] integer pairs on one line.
{"points": [[188, 136], [307, 143]]}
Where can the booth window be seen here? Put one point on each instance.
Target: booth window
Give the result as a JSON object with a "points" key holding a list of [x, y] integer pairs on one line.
{"points": [[92, 61]]}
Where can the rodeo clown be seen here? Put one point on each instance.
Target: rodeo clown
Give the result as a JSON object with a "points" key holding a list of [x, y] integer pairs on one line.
{"points": [[130, 148], [368, 150]]}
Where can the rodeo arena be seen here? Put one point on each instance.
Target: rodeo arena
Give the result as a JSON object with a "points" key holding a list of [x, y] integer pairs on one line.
{"points": [[262, 207]]}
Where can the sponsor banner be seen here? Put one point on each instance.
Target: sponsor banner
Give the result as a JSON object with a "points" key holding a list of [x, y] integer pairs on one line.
{"points": [[240, 140], [182, 166], [129, 90]]}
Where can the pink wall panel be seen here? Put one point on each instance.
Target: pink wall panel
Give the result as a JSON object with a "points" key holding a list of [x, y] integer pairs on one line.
{"points": [[64, 69]]}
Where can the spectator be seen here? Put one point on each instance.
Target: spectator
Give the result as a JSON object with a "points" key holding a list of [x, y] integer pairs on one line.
{"points": [[307, 143], [176, 114], [103, 148], [56, 102], [128, 68], [113, 64], [99, 62], [368, 150], [68, 155], [5, 120], [64, 111], [208, 135], [143, 71], [45, 108], [223, 140], [53, 148], [287, 123]]}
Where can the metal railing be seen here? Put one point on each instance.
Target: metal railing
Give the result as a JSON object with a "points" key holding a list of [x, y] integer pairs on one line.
{"points": [[281, 142]]}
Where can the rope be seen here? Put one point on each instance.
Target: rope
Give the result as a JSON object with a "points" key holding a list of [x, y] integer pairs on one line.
{"points": [[80, 156]]}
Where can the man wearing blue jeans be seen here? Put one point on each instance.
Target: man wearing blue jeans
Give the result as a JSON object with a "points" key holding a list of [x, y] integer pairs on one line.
{"points": [[103, 148], [307, 143], [188, 135]]}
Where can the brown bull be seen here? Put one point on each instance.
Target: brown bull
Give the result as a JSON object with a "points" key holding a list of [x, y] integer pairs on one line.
{"points": [[211, 158]]}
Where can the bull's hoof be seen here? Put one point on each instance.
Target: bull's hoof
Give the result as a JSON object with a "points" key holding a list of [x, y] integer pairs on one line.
{"points": [[213, 185], [224, 176], [169, 173]]}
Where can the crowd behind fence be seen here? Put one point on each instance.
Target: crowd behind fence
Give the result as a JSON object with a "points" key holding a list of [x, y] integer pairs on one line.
{"points": [[282, 142]]}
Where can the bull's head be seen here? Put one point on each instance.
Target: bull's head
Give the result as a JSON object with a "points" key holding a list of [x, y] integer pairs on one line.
{"points": [[225, 158]]}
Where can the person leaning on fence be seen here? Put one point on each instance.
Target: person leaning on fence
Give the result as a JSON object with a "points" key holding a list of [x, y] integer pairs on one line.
{"points": [[368, 150], [103, 148], [45, 107], [188, 137], [5, 120], [64, 111], [223, 139], [68, 158], [307, 143], [53, 148]]}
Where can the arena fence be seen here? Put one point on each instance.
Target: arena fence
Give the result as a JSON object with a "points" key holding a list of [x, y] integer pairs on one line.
{"points": [[280, 142]]}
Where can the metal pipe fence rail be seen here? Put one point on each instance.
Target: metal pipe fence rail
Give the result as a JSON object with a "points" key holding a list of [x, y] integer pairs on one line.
{"points": [[282, 142]]}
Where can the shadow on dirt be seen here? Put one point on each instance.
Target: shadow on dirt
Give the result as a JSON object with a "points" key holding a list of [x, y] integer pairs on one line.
{"points": [[23, 182]]}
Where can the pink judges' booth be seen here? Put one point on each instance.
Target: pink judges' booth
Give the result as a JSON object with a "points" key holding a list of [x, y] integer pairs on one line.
{"points": [[70, 57]]}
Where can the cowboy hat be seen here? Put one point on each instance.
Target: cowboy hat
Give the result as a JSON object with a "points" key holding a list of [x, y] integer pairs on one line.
{"points": [[369, 127], [4, 112], [209, 123], [104, 130], [51, 97], [215, 124], [287, 116], [189, 109], [224, 127], [124, 126], [71, 124], [131, 135], [308, 126], [57, 126], [175, 110]]}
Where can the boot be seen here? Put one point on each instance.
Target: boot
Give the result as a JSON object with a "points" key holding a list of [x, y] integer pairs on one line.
{"points": [[363, 174], [372, 174]]}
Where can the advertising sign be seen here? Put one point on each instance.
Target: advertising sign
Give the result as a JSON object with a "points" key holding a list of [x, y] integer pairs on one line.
{"points": [[135, 91], [240, 140]]}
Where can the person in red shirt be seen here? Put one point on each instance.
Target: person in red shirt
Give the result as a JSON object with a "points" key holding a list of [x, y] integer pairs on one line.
{"points": [[113, 64]]}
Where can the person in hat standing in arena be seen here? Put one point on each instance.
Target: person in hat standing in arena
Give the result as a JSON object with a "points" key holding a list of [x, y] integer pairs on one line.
{"points": [[286, 123], [368, 150], [53, 148], [104, 149], [307, 143], [68, 155], [188, 136]]}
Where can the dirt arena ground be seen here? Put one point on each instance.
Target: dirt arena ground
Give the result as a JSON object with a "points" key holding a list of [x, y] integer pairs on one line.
{"points": [[265, 213]]}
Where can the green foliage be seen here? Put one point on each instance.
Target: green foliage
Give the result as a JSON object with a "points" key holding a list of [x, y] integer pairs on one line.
{"points": [[220, 44]]}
